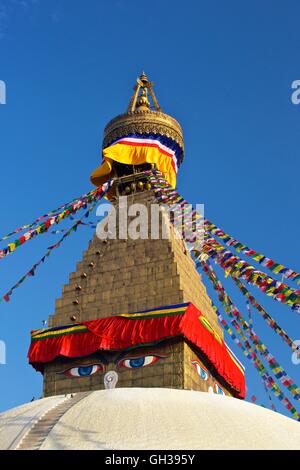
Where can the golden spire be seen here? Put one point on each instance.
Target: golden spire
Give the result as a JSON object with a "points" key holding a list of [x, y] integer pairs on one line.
{"points": [[139, 101], [143, 118]]}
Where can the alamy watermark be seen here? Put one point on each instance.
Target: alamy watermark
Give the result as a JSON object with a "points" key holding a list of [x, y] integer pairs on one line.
{"points": [[295, 96], [296, 354], [2, 92], [154, 221], [2, 352]]}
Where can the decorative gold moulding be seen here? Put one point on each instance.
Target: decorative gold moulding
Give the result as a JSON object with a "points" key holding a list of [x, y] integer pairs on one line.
{"points": [[143, 122]]}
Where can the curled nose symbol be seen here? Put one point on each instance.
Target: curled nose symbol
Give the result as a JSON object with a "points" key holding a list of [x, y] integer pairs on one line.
{"points": [[110, 379]]}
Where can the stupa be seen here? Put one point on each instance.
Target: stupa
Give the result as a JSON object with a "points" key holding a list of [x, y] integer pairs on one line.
{"points": [[134, 343]]}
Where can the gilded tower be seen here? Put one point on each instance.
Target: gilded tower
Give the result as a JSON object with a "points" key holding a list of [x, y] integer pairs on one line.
{"points": [[123, 282]]}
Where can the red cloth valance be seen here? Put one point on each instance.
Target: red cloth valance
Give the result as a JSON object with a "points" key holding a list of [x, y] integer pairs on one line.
{"points": [[123, 332]]}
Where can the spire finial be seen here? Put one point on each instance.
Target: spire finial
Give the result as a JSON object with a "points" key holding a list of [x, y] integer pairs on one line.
{"points": [[140, 99], [143, 102], [143, 78]]}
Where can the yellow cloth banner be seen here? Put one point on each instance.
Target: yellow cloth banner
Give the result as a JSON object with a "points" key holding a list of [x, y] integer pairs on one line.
{"points": [[134, 155]]}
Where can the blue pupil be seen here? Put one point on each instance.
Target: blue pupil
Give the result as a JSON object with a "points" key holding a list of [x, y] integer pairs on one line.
{"points": [[137, 362], [85, 370], [203, 373]]}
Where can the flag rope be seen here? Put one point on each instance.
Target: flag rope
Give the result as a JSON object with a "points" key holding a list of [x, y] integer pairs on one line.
{"points": [[100, 194], [233, 264], [53, 212], [227, 304], [75, 206]]}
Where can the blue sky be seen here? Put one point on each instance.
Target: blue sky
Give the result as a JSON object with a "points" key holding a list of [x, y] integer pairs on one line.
{"points": [[224, 69]]}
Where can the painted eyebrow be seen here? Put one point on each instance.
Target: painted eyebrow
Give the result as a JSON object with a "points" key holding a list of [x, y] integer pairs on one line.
{"points": [[134, 355], [101, 359], [131, 354]]}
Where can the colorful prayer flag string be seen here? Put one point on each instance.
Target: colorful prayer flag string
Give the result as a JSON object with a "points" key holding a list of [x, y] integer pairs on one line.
{"points": [[271, 322], [160, 184], [91, 225], [258, 365], [236, 267], [268, 263], [251, 355], [172, 197], [249, 314], [43, 227], [233, 265], [53, 212], [100, 194], [263, 373], [237, 318], [269, 396]]}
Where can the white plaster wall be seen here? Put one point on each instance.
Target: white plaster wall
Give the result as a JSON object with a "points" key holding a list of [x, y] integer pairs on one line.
{"points": [[153, 418]]}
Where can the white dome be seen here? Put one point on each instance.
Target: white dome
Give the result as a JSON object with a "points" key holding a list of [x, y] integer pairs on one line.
{"points": [[149, 418]]}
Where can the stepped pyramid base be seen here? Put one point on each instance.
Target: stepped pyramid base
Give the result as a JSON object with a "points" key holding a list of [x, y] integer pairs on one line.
{"points": [[120, 276]]}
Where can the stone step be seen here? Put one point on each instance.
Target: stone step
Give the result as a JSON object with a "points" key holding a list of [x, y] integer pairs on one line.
{"points": [[34, 439]]}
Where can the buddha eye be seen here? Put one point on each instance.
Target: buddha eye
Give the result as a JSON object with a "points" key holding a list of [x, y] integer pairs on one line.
{"points": [[83, 371], [136, 362], [201, 371], [219, 390]]}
